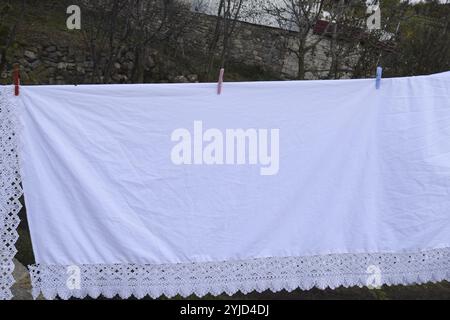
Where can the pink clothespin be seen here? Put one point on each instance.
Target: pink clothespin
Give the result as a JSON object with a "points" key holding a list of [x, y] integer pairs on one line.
{"points": [[220, 83]]}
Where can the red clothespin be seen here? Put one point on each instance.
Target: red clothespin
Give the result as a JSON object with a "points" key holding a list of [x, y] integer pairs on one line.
{"points": [[16, 77], [220, 83]]}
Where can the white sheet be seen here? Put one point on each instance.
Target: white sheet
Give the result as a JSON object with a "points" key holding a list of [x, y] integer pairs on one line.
{"points": [[360, 171]]}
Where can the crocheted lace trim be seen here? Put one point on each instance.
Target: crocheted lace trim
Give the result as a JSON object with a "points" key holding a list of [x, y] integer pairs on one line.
{"points": [[10, 189], [229, 277]]}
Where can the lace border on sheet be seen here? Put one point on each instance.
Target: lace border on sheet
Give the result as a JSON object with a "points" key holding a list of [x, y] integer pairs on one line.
{"points": [[10, 189], [275, 274]]}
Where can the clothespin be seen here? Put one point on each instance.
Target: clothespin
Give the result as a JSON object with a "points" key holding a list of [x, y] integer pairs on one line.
{"points": [[220, 82], [16, 76], [379, 75]]}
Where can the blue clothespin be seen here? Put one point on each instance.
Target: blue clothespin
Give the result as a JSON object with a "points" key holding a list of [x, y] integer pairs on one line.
{"points": [[379, 75]]}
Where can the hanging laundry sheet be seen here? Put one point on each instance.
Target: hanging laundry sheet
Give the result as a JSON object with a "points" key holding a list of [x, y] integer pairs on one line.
{"points": [[166, 189]]}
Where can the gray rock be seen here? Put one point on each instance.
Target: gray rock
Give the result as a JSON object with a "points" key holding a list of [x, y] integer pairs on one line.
{"points": [[62, 65], [51, 49], [54, 55], [22, 288], [35, 64], [192, 78], [129, 65], [30, 55], [120, 78], [81, 70], [181, 79]]}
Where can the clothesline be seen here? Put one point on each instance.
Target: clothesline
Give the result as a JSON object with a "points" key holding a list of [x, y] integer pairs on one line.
{"points": [[16, 79]]}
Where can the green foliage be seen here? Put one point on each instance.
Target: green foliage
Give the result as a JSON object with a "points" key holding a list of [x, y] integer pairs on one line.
{"points": [[423, 41], [243, 72], [4, 28]]}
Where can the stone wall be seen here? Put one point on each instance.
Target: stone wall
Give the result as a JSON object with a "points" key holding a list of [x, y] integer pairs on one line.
{"points": [[62, 62], [54, 63], [266, 47]]}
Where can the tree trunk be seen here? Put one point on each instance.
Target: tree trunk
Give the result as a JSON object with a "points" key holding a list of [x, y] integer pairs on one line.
{"points": [[301, 67]]}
